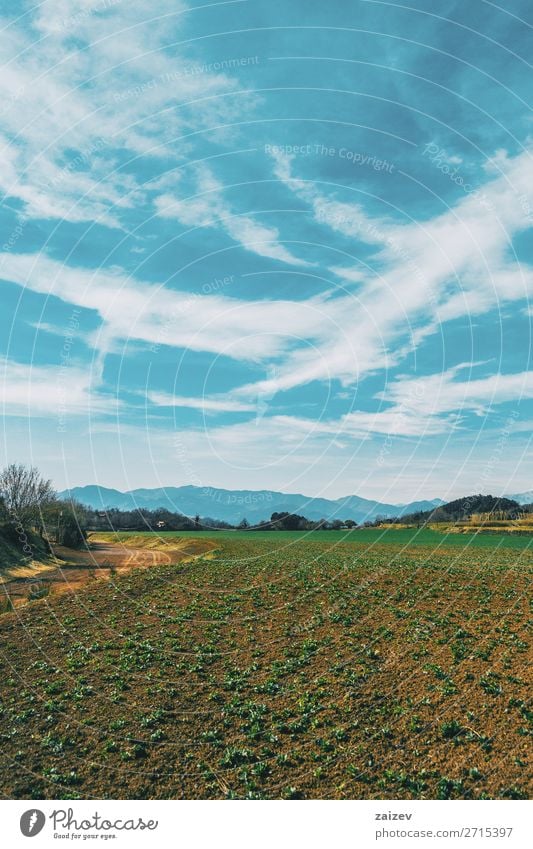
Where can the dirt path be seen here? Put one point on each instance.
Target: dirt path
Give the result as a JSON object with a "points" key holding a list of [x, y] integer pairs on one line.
{"points": [[70, 570]]}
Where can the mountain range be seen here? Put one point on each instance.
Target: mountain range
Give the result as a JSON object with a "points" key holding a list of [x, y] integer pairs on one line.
{"points": [[523, 497], [235, 505]]}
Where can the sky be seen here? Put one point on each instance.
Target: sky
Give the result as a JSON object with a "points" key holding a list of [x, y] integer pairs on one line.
{"points": [[265, 245]]}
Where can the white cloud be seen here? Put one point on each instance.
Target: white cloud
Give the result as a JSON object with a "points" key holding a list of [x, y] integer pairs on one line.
{"points": [[347, 218], [417, 407], [207, 405], [136, 310], [455, 264], [434, 404], [90, 82], [58, 391], [441, 393], [209, 209], [459, 263]]}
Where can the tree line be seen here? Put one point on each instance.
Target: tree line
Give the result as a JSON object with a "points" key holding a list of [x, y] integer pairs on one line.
{"points": [[114, 519], [29, 505]]}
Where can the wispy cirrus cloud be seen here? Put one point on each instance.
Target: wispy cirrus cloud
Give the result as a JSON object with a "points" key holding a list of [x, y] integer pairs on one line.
{"points": [[206, 405], [458, 263], [105, 103], [86, 85], [51, 391], [132, 309], [426, 406], [436, 394], [208, 208]]}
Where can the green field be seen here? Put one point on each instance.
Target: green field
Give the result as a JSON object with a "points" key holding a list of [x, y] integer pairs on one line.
{"points": [[366, 536]]}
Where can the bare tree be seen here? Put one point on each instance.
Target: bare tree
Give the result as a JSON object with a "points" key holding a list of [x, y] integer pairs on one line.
{"points": [[25, 494]]}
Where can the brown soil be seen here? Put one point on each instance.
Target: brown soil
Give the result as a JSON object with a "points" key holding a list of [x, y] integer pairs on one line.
{"points": [[276, 671], [69, 570]]}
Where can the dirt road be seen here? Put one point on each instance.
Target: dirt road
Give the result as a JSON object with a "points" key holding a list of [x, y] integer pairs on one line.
{"points": [[70, 570]]}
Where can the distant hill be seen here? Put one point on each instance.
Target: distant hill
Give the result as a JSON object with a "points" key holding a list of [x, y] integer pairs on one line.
{"points": [[235, 505], [463, 508]]}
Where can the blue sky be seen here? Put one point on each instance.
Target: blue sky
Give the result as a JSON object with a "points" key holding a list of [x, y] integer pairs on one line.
{"points": [[268, 245]]}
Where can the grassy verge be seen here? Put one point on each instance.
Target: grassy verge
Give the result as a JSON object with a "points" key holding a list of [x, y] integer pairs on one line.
{"points": [[14, 559]]}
